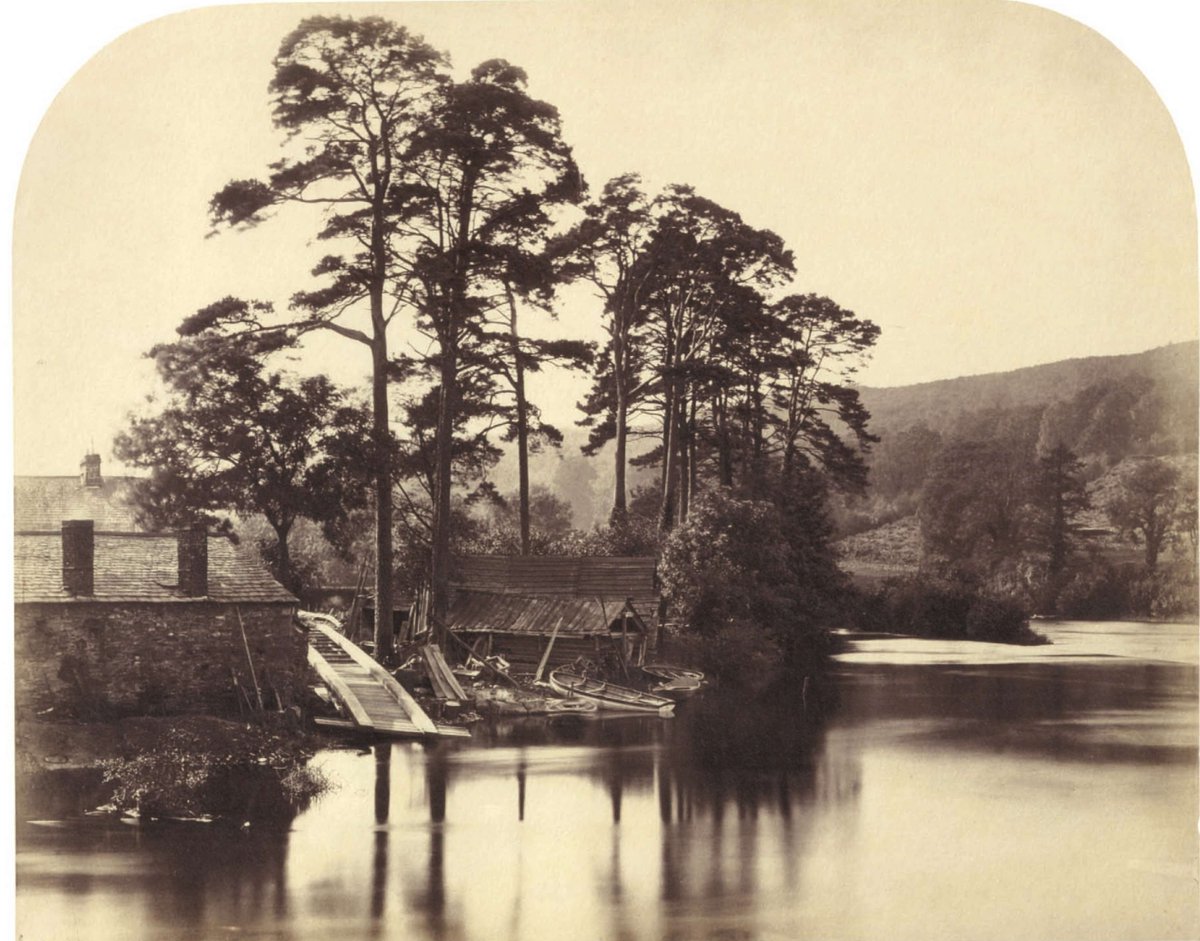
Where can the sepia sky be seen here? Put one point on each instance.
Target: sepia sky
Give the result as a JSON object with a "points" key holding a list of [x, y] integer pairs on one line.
{"points": [[992, 183]]}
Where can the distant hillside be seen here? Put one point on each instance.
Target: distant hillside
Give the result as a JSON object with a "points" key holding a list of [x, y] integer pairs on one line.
{"points": [[947, 404], [1104, 407], [1111, 412]]}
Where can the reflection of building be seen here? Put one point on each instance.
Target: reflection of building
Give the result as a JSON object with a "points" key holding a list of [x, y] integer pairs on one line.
{"points": [[109, 618], [510, 605]]}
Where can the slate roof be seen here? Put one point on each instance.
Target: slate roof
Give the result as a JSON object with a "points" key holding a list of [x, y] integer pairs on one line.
{"points": [[487, 612], [42, 503], [139, 567]]}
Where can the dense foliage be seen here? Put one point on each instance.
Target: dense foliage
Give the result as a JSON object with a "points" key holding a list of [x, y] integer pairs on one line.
{"points": [[1080, 504], [741, 568], [234, 436], [200, 766], [943, 608]]}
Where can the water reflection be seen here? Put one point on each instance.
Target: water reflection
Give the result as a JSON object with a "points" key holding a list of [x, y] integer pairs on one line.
{"points": [[1113, 712], [966, 796], [383, 800]]}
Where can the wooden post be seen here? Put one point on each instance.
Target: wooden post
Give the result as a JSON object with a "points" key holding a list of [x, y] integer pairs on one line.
{"points": [[245, 643], [537, 677], [621, 650], [625, 632]]}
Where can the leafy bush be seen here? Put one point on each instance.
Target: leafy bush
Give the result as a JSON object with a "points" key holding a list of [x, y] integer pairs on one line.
{"points": [[745, 566], [1094, 594], [206, 766], [739, 656], [945, 609], [1129, 591], [1002, 621]]}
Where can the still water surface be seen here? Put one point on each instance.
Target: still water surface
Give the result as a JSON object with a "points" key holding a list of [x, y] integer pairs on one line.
{"points": [[956, 790]]}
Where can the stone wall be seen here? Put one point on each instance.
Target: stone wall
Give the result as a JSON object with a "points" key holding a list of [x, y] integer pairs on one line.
{"points": [[93, 660]]}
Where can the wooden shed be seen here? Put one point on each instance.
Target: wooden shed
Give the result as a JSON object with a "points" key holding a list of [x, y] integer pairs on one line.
{"points": [[509, 605]]}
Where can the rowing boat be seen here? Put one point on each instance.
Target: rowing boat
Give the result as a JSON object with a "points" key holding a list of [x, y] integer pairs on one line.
{"points": [[608, 696], [672, 682]]}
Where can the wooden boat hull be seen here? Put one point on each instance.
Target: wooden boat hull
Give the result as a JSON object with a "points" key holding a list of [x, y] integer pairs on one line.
{"points": [[672, 682], [608, 696]]}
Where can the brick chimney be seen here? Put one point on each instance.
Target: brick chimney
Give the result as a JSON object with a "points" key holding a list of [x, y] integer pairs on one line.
{"points": [[78, 554], [90, 470], [193, 561]]}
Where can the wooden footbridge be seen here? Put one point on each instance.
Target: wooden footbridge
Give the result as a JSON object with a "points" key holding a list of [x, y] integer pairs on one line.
{"points": [[368, 694]]}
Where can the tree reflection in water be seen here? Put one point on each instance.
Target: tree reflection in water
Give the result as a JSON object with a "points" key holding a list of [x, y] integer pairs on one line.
{"points": [[383, 800], [739, 818]]}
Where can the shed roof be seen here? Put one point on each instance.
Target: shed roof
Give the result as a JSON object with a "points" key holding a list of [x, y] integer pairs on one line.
{"points": [[139, 567], [480, 611], [42, 503], [607, 577]]}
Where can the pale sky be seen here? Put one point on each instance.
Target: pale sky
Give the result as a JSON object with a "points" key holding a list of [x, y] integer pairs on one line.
{"points": [[992, 183]]}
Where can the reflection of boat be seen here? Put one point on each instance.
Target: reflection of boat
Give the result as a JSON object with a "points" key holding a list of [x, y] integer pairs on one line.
{"points": [[672, 682], [608, 696]]}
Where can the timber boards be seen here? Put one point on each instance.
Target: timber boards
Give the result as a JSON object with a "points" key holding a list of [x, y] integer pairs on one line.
{"points": [[372, 697]]}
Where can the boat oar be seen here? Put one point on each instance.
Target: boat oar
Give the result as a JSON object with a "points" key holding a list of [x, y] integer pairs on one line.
{"points": [[537, 678]]}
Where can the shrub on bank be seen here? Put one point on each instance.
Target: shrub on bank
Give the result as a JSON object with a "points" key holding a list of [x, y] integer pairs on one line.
{"points": [[744, 570], [1128, 591], [951, 610], [204, 766], [740, 656]]}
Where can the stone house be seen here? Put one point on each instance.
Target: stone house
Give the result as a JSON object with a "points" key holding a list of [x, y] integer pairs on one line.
{"points": [[110, 621]]}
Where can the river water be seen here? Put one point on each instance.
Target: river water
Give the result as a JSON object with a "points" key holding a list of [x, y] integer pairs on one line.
{"points": [[953, 790]]}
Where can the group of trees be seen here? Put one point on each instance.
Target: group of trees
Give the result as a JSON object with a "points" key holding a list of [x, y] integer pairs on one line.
{"points": [[704, 352], [453, 211], [1018, 522]]}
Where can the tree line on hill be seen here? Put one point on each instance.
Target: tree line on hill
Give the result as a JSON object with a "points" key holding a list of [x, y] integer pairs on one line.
{"points": [[454, 213], [1084, 506]]}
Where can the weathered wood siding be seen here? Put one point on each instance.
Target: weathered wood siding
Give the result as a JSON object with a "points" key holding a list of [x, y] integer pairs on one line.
{"points": [[610, 578]]}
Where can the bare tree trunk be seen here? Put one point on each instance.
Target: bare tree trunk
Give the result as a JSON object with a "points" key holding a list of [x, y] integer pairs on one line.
{"points": [[283, 554], [693, 470], [620, 508], [439, 567], [448, 335], [724, 445], [522, 423], [381, 439], [666, 519], [686, 476]]}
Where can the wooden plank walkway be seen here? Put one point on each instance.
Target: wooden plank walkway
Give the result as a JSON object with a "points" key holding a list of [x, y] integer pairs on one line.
{"points": [[370, 695]]}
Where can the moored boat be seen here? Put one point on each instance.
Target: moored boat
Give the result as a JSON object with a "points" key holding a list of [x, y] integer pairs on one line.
{"points": [[670, 681], [607, 696]]}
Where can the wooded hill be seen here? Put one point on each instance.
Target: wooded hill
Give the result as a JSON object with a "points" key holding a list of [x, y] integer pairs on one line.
{"points": [[1104, 408], [1109, 411], [1138, 400]]}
